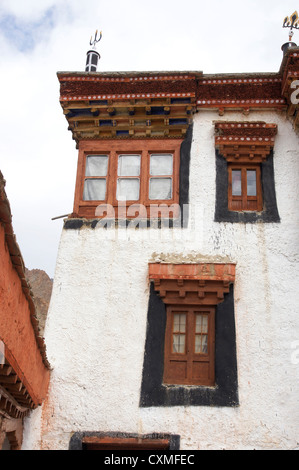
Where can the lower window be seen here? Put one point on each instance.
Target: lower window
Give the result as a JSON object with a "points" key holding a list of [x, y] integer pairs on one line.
{"points": [[164, 384], [244, 188], [124, 442], [190, 346]]}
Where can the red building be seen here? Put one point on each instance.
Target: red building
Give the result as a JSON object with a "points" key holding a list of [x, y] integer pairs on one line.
{"points": [[24, 369]]}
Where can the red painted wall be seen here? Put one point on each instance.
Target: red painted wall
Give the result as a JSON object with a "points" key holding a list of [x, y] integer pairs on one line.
{"points": [[16, 331]]}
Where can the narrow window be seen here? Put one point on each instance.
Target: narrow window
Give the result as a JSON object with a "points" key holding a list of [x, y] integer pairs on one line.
{"points": [[128, 181], [95, 178], [179, 333], [161, 176], [236, 183], [201, 334], [251, 183], [244, 188]]}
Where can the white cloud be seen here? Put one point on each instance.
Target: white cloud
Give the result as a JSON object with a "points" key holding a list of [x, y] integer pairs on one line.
{"points": [[29, 10]]}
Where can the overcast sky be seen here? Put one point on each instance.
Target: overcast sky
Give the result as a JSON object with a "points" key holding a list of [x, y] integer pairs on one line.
{"points": [[40, 37]]}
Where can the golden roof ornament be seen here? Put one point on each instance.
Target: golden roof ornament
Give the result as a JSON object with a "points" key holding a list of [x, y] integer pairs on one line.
{"points": [[291, 22]]}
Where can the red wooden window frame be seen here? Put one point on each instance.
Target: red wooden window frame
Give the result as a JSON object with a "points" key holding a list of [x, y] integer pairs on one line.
{"points": [[122, 444], [86, 208], [189, 367], [244, 202]]}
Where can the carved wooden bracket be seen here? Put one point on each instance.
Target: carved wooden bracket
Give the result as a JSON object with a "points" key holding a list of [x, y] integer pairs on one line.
{"points": [[245, 141], [192, 284]]}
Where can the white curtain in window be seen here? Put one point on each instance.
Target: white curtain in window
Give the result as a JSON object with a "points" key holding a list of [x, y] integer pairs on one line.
{"points": [[96, 165], [161, 164], [160, 188], [94, 189], [128, 189], [129, 165]]}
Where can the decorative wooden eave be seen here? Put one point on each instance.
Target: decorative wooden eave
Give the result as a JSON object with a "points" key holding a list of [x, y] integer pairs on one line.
{"points": [[25, 373], [15, 400], [192, 284], [125, 105], [245, 141], [129, 104], [136, 105], [243, 92], [290, 74]]}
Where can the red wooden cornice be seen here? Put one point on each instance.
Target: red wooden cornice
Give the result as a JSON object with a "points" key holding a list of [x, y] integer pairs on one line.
{"points": [[245, 141], [136, 105], [192, 284], [193, 271]]}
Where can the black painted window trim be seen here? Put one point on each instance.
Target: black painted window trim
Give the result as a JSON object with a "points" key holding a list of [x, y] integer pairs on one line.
{"points": [[76, 441], [270, 211], [155, 393]]}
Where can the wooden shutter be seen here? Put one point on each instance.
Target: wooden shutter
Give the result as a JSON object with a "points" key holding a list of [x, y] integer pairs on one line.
{"points": [[244, 201], [190, 346]]}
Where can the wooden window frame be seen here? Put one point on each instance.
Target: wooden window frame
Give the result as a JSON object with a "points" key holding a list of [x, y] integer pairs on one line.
{"points": [[191, 288], [244, 202], [86, 178], [114, 149], [123, 444], [190, 359]]}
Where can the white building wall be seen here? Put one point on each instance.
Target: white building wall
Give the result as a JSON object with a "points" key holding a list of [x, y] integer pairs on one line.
{"points": [[96, 326]]}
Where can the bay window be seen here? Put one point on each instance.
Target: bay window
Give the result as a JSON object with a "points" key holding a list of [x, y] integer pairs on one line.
{"points": [[111, 172]]}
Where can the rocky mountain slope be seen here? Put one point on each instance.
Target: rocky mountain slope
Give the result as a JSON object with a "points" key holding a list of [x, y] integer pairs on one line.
{"points": [[41, 285]]}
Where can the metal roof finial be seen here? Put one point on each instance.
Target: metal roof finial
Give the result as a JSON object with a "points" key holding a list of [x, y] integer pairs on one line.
{"points": [[291, 22], [96, 40]]}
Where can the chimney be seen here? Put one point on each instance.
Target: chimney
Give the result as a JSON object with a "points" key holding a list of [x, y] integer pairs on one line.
{"points": [[286, 46], [93, 57]]}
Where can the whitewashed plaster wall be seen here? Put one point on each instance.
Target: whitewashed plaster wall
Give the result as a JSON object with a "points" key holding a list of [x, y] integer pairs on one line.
{"points": [[96, 326]]}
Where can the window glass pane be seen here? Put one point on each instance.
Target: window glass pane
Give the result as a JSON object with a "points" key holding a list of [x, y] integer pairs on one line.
{"points": [[129, 165], [160, 188], [201, 324], [127, 189], [94, 190], [204, 344], [201, 344], [198, 344], [179, 322], [96, 165], [178, 345], [161, 164], [198, 323], [251, 182], [204, 327], [236, 183], [201, 337]]}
